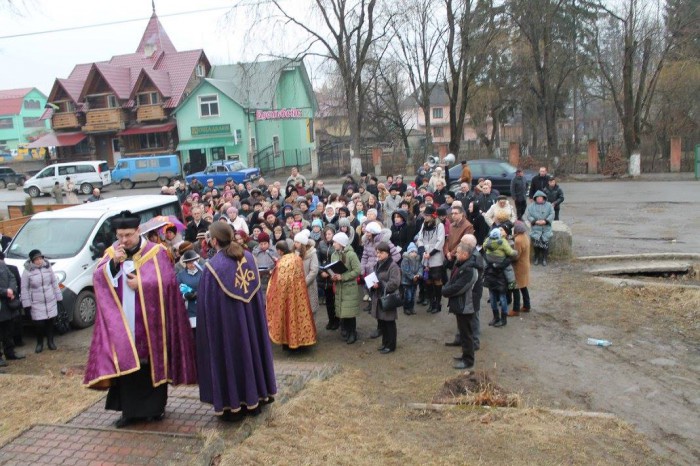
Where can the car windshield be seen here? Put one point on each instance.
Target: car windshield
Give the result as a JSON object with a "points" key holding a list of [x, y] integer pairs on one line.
{"points": [[507, 168], [56, 239], [235, 166]]}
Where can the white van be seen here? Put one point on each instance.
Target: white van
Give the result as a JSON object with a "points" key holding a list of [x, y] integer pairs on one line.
{"points": [[86, 175], [74, 239]]}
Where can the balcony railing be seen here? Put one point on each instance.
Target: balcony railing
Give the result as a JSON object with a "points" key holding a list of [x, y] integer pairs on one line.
{"points": [[104, 120], [64, 121], [149, 113]]}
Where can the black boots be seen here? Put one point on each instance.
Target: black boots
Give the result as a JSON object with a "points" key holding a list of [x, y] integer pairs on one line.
{"points": [[49, 335], [39, 343], [545, 252], [537, 257]]}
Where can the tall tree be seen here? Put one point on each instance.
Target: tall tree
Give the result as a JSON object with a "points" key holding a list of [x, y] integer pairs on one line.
{"points": [[343, 32], [549, 28], [632, 47], [471, 29], [418, 45]]}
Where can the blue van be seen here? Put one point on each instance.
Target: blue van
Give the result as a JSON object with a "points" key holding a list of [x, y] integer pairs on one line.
{"points": [[160, 168]]}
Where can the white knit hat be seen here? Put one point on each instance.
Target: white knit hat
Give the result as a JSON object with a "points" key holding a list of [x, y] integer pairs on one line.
{"points": [[374, 228], [302, 237], [341, 238]]}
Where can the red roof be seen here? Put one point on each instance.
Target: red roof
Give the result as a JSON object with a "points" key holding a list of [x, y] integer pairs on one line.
{"points": [[11, 100], [147, 129], [54, 139], [169, 70]]}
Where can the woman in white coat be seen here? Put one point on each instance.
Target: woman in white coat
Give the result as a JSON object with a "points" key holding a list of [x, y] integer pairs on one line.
{"points": [[430, 241]]}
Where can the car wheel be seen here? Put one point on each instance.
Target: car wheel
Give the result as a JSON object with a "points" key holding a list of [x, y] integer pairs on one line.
{"points": [[126, 184], [85, 309], [62, 321], [86, 188], [163, 181], [34, 191], [3, 185]]}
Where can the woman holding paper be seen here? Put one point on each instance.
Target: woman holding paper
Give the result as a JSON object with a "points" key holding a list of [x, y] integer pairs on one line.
{"points": [[388, 279]]}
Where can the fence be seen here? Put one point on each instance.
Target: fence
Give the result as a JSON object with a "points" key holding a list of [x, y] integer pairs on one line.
{"points": [[270, 162]]}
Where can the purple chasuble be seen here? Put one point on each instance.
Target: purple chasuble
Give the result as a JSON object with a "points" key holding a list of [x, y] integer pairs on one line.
{"points": [[234, 354], [162, 332]]}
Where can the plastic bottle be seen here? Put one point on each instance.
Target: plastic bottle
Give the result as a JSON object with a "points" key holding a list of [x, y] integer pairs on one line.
{"points": [[596, 342]]}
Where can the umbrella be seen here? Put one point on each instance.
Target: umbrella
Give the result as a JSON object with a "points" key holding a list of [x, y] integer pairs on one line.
{"points": [[162, 221]]}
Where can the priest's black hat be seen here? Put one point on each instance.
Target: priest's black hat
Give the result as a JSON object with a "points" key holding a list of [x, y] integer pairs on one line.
{"points": [[125, 219]]}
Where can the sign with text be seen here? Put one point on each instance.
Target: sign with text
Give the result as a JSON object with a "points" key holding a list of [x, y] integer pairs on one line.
{"points": [[281, 114], [210, 130]]}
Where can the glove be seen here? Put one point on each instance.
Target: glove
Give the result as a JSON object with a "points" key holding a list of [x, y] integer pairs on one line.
{"points": [[191, 296]]}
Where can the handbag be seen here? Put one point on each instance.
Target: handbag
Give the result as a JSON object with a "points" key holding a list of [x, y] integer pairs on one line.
{"points": [[14, 304], [390, 301]]}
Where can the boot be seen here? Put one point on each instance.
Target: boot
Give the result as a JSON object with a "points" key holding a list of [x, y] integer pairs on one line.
{"points": [[49, 335], [503, 322], [39, 343], [352, 337], [545, 252], [537, 257]]}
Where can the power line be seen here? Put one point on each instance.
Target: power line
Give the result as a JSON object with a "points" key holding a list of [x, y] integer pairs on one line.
{"points": [[111, 23]]}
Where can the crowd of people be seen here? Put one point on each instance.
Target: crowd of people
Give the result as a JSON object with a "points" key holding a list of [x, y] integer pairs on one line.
{"points": [[254, 263]]}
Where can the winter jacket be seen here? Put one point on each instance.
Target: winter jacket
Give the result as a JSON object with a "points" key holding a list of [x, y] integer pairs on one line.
{"points": [[324, 251], [347, 298], [369, 252], [410, 267], [191, 280], [40, 290], [458, 288], [540, 234], [432, 241], [498, 248], [7, 281], [402, 234], [389, 277], [497, 215], [521, 266], [554, 195], [310, 273], [494, 275], [538, 183], [391, 205], [518, 188]]}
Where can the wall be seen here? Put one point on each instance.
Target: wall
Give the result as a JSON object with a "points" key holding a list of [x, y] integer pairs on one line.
{"points": [[18, 134]]}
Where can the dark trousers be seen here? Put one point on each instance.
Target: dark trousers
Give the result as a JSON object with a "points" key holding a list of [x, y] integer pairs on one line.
{"points": [[516, 298], [520, 207], [6, 337], [556, 212], [330, 305], [465, 324], [349, 324], [135, 396], [388, 328]]}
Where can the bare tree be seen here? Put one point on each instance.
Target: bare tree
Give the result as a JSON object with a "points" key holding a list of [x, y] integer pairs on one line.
{"points": [[418, 43], [470, 32], [346, 33], [549, 29], [631, 49]]}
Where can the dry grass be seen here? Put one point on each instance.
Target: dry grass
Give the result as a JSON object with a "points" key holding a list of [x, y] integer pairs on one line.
{"points": [[339, 422], [50, 398], [476, 389]]}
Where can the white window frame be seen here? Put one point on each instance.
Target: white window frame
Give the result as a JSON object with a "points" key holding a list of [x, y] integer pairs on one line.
{"points": [[200, 103], [200, 71], [112, 99]]}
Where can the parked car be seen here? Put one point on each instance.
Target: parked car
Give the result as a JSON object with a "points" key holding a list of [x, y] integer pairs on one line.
{"points": [[498, 171], [86, 175], [74, 239], [8, 175], [219, 171], [160, 168]]}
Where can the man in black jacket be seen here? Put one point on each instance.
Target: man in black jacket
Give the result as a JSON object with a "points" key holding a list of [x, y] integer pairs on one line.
{"points": [[458, 290], [555, 196], [539, 182], [197, 227], [8, 291], [518, 191]]}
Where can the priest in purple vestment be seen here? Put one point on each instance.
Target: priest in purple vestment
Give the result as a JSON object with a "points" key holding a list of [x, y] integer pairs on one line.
{"points": [[142, 339], [234, 354]]}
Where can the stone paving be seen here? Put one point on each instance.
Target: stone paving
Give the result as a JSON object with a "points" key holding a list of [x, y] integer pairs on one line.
{"points": [[90, 438]]}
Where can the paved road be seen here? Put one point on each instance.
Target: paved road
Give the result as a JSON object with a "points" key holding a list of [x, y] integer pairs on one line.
{"points": [[607, 217]]}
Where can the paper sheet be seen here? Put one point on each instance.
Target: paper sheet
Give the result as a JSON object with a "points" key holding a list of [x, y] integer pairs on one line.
{"points": [[371, 280]]}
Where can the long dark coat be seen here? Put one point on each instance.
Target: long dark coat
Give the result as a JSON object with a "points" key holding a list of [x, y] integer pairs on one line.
{"points": [[389, 276]]}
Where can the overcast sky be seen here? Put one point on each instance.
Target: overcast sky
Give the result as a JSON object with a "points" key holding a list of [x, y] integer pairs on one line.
{"points": [[37, 60]]}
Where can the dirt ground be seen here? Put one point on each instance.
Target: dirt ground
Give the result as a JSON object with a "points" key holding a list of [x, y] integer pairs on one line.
{"points": [[649, 377]]}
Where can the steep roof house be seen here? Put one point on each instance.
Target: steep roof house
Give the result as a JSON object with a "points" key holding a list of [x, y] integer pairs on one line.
{"points": [[124, 106], [20, 112]]}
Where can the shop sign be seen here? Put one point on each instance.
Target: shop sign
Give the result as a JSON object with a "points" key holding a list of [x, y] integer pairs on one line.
{"points": [[210, 130], [281, 114]]}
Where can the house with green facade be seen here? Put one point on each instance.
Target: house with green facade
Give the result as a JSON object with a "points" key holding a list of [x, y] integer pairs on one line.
{"points": [[260, 113], [20, 117]]}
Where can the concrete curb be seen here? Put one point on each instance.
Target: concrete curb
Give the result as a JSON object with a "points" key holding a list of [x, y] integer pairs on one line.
{"points": [[641, 257]]}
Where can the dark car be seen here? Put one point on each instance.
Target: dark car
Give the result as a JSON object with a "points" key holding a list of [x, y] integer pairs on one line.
{"points": [[8, 175], [219, 171], [498, 171]]}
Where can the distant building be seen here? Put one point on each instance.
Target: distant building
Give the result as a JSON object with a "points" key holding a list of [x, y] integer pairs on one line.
{"points": [[260, 113], [124, 106], [20, 112]]}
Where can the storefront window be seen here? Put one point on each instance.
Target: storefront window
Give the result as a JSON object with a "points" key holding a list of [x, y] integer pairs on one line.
{"points": [[218, 153]]}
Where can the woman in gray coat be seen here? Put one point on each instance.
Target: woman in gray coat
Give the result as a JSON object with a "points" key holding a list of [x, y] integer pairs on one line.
{"points": [[389, 276], [40, 295], [540, 214]]}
